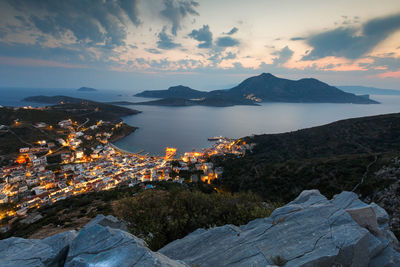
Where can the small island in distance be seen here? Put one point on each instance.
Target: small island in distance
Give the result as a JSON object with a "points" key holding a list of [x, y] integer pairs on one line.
{"points": [[262, 88], [86, 89]]}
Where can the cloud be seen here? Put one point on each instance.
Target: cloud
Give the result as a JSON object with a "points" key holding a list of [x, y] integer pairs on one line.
{"points": [[352, 42], [91, 22], [229, 55], [227, 41], [153, 51], [297, 39], [165, 41], [388, 62], [72, 55], [176, 10], [233, 31], [282, 56], [131, 9], [203, 35]]}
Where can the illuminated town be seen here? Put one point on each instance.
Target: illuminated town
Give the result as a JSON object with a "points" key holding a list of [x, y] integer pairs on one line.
{"points": [[30, 182]]}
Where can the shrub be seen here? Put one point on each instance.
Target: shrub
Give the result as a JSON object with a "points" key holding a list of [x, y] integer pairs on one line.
{"points": [[160, 216]]}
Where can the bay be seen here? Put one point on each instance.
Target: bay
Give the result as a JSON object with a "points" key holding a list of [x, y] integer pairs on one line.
{"points": [[187, 128]]}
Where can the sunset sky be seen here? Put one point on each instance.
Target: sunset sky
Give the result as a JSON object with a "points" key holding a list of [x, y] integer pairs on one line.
{"points": [[206, 44]]}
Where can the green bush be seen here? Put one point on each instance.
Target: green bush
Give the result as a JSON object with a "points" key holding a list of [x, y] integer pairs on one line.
{"points": [[160, 216]]}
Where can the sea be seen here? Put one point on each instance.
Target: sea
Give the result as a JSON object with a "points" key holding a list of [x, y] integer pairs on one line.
{"points": [[188, 128]]}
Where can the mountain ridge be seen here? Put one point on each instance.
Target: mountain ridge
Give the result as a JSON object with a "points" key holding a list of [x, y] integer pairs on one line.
{"points": [[269, 88]]}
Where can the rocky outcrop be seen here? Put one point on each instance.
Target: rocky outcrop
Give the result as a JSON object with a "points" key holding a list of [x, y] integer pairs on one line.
{"points": [[97, 245], [309, 231], [50, 251], [100, 243]]}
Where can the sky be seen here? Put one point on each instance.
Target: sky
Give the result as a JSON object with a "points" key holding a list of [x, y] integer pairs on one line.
{"points": [[206, 44]]}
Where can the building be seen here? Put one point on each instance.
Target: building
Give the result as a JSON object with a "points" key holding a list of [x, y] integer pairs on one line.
{"points": [[3, 198], [65, 123], [41, 124], [24, 150]]}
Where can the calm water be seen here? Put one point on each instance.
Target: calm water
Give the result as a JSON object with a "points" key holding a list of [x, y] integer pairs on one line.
{"points": [[188, 128]]}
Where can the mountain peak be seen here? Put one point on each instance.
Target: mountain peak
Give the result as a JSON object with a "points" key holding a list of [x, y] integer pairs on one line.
{"points": [[179, 88], [267, 75]]}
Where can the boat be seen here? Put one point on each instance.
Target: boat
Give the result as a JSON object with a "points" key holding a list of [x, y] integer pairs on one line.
{"points": [[216, 138]]}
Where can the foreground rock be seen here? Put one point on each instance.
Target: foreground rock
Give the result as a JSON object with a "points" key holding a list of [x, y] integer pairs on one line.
{"points": [[50, 251], [97, 245], [309, 231], [100, 243]]}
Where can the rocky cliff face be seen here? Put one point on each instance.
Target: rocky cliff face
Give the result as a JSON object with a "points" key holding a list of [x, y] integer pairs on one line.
{"points": [[309, 231]]}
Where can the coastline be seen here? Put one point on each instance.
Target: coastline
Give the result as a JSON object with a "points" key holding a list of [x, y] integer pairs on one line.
{"points": [[124, 132]]}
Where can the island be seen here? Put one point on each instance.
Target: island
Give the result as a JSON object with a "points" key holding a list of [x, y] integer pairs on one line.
{"points": [[86, 89], [215, 101], [262, 88], [364, 90], [95, 110], [179, 91]]}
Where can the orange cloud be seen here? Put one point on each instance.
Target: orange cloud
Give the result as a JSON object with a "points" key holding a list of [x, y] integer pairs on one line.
{"points": [[14, 61], [391, 74]]}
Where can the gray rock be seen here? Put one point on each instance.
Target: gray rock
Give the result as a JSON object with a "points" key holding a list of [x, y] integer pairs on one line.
{"points": [[365, 217], [109, 221], [21, 252], [387, 258], [98, 245], [309, 231]]}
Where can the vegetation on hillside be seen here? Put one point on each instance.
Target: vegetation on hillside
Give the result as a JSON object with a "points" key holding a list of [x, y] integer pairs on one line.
{"points": [[161, 216], [331, 158]]}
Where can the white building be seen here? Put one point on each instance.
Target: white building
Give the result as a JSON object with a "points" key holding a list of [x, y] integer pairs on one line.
{"points": [[3, 198]]}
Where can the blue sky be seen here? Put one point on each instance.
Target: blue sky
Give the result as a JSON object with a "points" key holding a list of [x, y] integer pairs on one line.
{"points": [[153, 44]]}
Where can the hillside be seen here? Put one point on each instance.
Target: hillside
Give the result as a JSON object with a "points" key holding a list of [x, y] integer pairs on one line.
{"points": [[179, 91], [344, 155], [21, 130]]}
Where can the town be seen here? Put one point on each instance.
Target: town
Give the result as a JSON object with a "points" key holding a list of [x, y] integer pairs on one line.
{"points": [[35, 179]]}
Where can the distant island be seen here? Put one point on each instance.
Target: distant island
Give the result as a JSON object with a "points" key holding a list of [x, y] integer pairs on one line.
{"points": [[363, 90], [262, 88], [215, 101], [98, 110], [86, 89], [179, 91]]}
